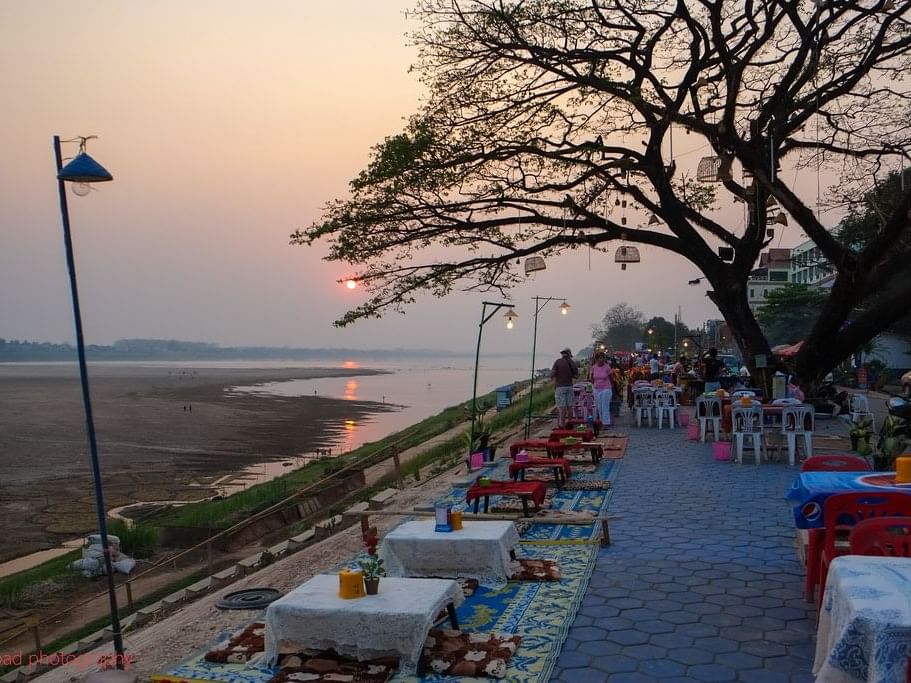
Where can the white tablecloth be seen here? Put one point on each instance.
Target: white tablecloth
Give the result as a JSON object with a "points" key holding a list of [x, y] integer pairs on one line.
{"points": [[865, 623], [394, 622], [480, 550]]}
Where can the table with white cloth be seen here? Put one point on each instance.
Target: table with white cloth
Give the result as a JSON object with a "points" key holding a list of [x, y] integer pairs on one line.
{"points": [[394, 622], [864, 629], [479, 550]]}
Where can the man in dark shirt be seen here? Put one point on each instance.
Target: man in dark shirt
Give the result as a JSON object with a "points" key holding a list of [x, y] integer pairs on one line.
{"points": [[712, 370], [563, 372]]}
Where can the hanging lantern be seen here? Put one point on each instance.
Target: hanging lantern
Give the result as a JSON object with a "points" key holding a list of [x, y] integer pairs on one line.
{"points": [[623, 203], [626, 255], [617, 201], [534, 264], [770, 233], [623, 220], [781, 219], [707, 170], [771, 202]]}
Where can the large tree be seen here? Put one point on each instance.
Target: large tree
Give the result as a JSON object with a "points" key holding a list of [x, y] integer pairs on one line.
{"points": [[541, 114], [620, 328], [788, 313]]}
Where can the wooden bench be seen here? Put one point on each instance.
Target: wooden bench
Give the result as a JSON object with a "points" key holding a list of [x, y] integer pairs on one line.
{"points": [[379, 501]]}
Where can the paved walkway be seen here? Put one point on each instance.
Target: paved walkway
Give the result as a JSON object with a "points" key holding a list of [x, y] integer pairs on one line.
{"points": [[702, 582]]}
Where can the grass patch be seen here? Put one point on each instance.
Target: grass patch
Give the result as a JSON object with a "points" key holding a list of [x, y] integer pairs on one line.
{"points": [[13, 586], [138, 541]]}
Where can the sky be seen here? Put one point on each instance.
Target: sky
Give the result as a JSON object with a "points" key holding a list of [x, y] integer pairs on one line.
{"points": [[227, 125]]}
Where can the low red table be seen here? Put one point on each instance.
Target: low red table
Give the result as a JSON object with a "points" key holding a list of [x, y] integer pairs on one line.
{"points": [[595, 426], [554, 449], [524, 490], [558, 434], [559, 466]]}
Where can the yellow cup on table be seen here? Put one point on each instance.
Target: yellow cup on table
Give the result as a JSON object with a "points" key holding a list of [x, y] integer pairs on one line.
{"points": [[903, 469], [455, 518]]}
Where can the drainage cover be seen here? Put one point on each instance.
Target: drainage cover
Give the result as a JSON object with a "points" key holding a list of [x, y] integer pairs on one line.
{"points": [[250, 598]]}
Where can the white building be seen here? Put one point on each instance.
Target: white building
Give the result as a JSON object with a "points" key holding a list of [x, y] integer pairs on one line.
{"points": [[773, 272]]}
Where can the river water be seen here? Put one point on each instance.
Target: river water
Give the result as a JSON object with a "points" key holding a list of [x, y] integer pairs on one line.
{"points": [[416, 388]]}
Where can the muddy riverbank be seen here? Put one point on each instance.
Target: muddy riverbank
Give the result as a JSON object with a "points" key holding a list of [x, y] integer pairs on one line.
{"points": [[164, 433]]}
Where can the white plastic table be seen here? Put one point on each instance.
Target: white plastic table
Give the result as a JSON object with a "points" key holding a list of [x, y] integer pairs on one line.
{"points": [[480, 550], [864, 629], [393, 622]]}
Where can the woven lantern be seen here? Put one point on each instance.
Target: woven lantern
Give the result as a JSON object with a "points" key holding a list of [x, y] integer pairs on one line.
{"points": [[707, 171], [534, 264], [626, 255]]}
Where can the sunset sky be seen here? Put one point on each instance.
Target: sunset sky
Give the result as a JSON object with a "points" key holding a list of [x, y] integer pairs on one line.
{"points": [[227, 125]]}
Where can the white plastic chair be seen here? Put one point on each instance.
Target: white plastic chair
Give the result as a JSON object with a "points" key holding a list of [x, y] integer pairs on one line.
{"points": [[643, 403], [740, 393], [666, 404], [860, 411], [708, 410], [747, 422], [787, 402], [798, 421]]}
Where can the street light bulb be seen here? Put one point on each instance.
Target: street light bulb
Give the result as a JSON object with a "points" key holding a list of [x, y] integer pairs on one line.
{"points": [[81, 189], [510, 316], [351, 284], [564, 308], [509, 324]]}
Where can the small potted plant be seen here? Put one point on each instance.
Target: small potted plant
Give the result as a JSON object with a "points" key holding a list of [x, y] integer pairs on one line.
{"points": [[860, 433], [372, 565], [892, 443]]}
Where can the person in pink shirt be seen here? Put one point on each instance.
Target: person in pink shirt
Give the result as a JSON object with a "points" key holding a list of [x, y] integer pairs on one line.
{"points": [[600, 377]]}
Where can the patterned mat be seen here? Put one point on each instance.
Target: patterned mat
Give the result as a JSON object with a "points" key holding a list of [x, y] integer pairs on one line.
{"points": [[541, 612], [538, 611]]}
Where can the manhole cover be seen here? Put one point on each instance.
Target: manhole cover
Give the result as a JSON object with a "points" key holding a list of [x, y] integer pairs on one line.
{"points": [[250, 598]]}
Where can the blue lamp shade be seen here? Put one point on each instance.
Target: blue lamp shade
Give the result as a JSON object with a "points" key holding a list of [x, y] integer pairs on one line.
{"points": [[84, 169]]}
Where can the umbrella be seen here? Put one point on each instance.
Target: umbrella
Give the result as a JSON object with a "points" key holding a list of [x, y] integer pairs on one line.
{"points": [[791, 351]]}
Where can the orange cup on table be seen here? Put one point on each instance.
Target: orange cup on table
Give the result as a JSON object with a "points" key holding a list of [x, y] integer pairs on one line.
{"points": [[903, 469]]}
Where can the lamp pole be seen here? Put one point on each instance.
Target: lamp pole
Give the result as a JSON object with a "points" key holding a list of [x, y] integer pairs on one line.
{"points": [[540, 303], [83, 169], [485, 316]]}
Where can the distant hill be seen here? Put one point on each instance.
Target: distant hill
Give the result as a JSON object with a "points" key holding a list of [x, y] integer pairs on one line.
{"points": [[12, 351]]}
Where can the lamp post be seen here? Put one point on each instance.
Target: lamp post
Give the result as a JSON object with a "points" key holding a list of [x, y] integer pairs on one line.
{"points": [[82, 170], [540, 303], [510, 317]]}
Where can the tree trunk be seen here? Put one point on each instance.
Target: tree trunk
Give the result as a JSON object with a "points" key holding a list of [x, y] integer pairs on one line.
{"points": [[732, 302]]}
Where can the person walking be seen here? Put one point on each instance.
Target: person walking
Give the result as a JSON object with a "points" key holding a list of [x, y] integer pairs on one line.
{"points": [[563, 372], [600, 377], [654, 367]]}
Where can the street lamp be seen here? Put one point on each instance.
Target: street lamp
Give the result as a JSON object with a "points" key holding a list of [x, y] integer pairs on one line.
{"points": [[510, 318], [82, 170], [540, 303]]}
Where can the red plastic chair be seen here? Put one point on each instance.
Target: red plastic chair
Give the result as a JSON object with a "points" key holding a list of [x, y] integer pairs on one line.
{"points": [[888, 537], [843, 511], [825, 463], [835, 463]]}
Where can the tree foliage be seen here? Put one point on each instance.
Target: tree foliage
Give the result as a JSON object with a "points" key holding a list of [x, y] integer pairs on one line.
{"points": [[622, 326], [789, 312], [542, 115]]}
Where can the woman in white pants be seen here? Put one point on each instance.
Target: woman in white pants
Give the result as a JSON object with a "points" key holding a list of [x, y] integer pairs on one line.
{"points": [[600, 377]]}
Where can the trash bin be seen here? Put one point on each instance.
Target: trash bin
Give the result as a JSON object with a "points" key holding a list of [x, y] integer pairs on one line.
{"points": [[504, 397]]}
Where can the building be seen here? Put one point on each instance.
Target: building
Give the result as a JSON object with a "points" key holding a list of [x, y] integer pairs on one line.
{"points": [[773, 272], [808, 265]]}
